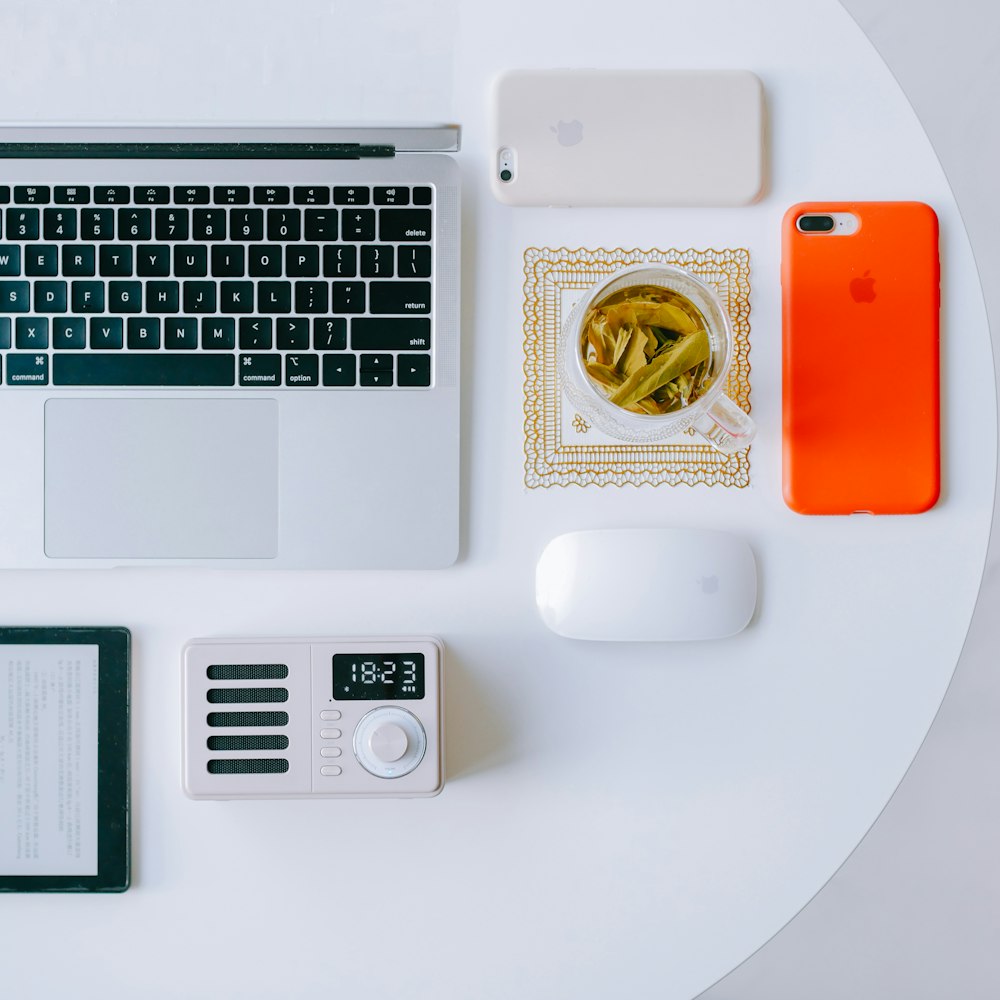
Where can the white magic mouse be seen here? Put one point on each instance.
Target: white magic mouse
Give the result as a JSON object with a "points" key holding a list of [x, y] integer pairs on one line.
{"points": [[646, 584]]}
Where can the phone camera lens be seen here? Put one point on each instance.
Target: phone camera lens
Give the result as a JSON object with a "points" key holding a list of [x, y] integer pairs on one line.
{"points": [[505, 175], [815, 223]]}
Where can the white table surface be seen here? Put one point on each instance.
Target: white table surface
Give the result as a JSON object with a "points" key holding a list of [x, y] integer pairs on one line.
{"points": [[617, 818]]}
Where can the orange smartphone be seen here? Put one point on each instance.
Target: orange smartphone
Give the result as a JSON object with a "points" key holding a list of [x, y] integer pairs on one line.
{"points": [[860, 358]]}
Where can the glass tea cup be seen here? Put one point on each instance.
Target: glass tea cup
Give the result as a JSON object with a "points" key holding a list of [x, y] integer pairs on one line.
{"points": [[711, 414]]}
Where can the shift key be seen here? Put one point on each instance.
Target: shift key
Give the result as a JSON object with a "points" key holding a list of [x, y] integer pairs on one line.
{"points": [[369, 333]]}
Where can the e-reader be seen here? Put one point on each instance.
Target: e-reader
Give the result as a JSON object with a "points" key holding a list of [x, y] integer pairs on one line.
{"points": [[64, 759]]}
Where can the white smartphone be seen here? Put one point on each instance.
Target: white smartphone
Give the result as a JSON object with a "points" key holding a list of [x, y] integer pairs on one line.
{"points": [[627, 137]]}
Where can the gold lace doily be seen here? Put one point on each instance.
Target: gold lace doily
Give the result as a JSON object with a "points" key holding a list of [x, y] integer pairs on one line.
{"points": [[560, 447]]}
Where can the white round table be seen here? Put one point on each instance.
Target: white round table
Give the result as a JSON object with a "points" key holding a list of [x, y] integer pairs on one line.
{"points": [[618, 820]]}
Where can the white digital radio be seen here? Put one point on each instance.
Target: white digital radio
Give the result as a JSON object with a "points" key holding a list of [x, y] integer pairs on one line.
{"points": [[302, 718]]}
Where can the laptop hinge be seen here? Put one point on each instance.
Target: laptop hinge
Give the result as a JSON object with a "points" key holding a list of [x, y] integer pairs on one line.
{"points": [[193, 150]]}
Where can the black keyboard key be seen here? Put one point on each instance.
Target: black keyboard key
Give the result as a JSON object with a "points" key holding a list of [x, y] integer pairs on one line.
{"points": [[4, 333], [340, 262], [69, 333], [340, 369], [22, 224], [359, 224], [231, 195], [87, 296], [302, 369], [312, 297], [157, 195], [228, 261], [105, 334], [422, 196], [330, 333], [50, 296], [59, 223], [155, 368], [284, 224], [401, 333], [72, 195], [401, 225], [293, 334], [408, 298], [124, 296], [413, 262], [351, 196], [236, 296], [163, 297], [265, 261], [10, 261], [173, 224], [42, 261], [218, 334], [199, 296], [31, 333], [28, 369], [392, 196], [208, 224], [274, 297], [321, 225], [302, 261], [376, 362], [195, 195], [78, 261], [260, 370], [348, 297], [152, 261], [270, 196], [413, 370], [32, 195], [143, 334], [190, 261], [4, 194], [247, 224], [97, 224], [255, 334], [311, 195], [180, 334], [115, 261], [119, 195], [15, 296], [135, 224], [376, 379], [377, 261]]}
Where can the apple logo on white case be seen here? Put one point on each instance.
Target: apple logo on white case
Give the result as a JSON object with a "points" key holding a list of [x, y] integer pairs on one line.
{"points": [[709, 584], [568, 133]]}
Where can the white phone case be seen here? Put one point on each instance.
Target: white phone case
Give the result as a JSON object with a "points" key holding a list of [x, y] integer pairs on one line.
{"points": [[627, 137]]}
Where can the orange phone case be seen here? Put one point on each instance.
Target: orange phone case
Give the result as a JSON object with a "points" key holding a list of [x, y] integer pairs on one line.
{"points": [[860, 371]]}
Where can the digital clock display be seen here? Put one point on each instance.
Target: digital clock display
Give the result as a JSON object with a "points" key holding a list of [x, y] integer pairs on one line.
{"points": [[378, 676]]}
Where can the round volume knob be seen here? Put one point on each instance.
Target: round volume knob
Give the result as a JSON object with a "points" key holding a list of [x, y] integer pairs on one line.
{"points": [[389, 742]]}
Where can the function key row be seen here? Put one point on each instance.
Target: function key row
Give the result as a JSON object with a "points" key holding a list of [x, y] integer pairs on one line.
{"points": [[244, 225], [202, 194]]}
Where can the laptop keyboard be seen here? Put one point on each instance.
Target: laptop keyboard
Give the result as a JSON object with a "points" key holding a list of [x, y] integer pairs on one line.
{"points": [[256, 287]]}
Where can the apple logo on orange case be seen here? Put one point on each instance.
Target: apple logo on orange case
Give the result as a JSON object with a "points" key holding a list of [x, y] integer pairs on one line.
{"points": [[863, 288]]}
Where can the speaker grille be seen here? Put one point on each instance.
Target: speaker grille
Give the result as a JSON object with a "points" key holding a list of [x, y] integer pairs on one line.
{"points": [[246, 696], [247, 672], [248, 718], [256, 765], [260, 741]]}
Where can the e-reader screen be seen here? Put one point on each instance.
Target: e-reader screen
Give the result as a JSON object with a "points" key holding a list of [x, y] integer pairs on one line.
{"points": [[63, 759]]}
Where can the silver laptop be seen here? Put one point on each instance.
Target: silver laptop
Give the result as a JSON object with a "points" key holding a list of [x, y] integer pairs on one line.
{"points": [[229, 346]]}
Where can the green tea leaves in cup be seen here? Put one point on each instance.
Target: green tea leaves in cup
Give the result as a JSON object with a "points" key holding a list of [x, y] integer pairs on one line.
{"points": [[647, 349]]}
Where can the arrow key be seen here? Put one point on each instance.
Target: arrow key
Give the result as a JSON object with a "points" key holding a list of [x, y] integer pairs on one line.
{"points": [[413, 370], [340, 369]]}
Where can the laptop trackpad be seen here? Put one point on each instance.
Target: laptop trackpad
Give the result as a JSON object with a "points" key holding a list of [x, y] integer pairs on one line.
{"points": [[161, 478]]}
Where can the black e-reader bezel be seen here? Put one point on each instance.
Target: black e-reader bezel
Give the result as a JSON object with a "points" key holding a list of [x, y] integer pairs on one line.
{"points": [[113, 863]]}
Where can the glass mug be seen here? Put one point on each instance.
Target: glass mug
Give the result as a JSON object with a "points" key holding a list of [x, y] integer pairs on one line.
{"points": [[713, 414]]}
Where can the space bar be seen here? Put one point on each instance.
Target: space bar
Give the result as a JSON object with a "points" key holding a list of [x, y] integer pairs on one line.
{"points": [[143, 369]]}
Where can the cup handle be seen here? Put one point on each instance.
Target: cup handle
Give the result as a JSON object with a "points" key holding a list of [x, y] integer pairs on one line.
{"points": [[725, 426]]}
